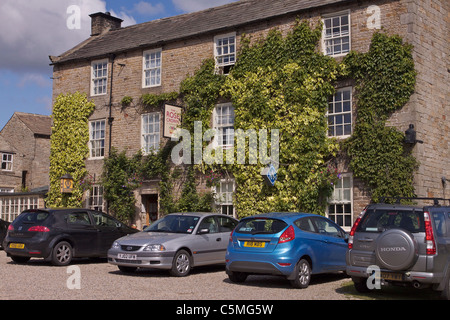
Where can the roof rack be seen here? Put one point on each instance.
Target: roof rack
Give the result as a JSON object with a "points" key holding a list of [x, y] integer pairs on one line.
{"points": [[435, 200]]}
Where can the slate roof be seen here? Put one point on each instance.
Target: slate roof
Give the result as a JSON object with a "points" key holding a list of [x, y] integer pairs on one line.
{"points": [[38, 124], [179, 27]]}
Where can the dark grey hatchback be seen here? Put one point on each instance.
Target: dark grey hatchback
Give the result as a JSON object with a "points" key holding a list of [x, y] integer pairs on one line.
{"points": [[58, 235]]}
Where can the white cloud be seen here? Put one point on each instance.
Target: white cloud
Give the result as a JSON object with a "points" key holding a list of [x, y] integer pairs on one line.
{"points": [[30, 31], [148, 9], [197, 5], [34, 78]]}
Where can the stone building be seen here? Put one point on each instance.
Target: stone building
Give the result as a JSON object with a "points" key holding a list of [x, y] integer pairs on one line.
{"points": [[154, 57], [25, 164]]}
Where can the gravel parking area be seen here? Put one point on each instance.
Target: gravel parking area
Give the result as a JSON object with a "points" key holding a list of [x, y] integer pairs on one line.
{"points": [[99, 280]]}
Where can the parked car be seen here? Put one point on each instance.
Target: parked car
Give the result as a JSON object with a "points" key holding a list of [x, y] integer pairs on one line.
{"points": [[58, 235], [177, 242], [293, 245], [3, 229], [409, 245]]}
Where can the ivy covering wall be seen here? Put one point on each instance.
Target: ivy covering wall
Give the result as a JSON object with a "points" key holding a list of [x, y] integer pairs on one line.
{"points": [[279, 82], [69, 147]]}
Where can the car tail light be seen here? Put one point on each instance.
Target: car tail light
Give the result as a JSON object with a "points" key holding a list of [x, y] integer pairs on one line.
{"points": [[39, 229], [231, 236], [288, 235], [353, 230], [10, 228], [429, 235]]}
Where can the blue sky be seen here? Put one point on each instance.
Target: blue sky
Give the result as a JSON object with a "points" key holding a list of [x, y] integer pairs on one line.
{"points": [[31, 30]]}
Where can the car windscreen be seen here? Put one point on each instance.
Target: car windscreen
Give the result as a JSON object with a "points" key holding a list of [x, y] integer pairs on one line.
{"points": [[260, 226], [32, 217], [174, 224], [379, 220]]}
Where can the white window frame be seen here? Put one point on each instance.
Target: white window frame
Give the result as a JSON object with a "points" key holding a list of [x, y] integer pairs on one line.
{"points": [[218, 119], [154, 70], [150, 130], [96, 78], [224, 200], [338, 198], [11, 207], [223, 59], [7, 161], [96, 198], [97, 139], [346, 116], [332, 36]]}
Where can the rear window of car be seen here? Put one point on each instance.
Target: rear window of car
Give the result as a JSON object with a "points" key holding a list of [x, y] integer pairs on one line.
{"points": [[379, 220], [32, 217], [261, 226]]}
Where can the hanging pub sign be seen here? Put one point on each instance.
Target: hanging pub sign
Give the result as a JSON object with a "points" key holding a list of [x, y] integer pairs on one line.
{"points": [[66, 183], [172, 119]]}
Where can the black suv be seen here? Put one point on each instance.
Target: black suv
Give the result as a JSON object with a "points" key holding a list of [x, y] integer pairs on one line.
{"points": [[408, 245], [58, 235]]}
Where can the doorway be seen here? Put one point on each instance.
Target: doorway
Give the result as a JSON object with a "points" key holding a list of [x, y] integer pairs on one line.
{"points": [[150, 203]]}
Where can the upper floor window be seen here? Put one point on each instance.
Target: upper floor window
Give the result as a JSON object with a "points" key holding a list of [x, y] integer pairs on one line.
{"points": [[336, 34], [97, 138], [151, 68], [99, 77], [150, 132], [224, 124], [7, 161], [225, 52], [340, 113]]}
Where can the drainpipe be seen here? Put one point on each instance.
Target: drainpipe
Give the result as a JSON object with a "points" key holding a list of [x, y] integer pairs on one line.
{"points": [[110, 118]]}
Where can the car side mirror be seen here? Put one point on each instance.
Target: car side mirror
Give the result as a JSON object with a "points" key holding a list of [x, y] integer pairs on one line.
{"points": [[203, 231]]}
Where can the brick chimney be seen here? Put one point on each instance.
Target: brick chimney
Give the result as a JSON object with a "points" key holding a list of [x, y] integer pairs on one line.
{"points": [[103, 22]]}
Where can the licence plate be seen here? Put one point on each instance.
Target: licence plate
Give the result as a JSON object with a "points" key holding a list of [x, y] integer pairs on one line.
{"points": [[127, 256], [392, 276], [254, 244], [17, 245]]}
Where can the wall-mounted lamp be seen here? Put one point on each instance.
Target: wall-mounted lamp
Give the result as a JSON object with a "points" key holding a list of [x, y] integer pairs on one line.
{"points": [[66, 183], [410, 135]]}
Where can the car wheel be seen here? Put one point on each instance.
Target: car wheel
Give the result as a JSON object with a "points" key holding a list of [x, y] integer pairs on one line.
{"points": [[360, 284], [127, 269], [237, 277], [62, 254], [302, 274], [181, 265], [20, 259], [445, 294]]}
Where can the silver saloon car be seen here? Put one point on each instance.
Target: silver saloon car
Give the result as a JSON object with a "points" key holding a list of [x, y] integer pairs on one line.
{"points": [[177, 242]]}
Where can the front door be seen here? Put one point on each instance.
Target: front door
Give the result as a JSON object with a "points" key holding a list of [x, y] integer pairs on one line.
{"points": [[150, 202]]}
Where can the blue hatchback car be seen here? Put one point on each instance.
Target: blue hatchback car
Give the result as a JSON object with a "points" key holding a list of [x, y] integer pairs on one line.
{"points": [[293, 245]]}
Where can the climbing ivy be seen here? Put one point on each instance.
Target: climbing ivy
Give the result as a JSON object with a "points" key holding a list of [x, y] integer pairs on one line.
{"points": [[69, 147], [385, 78]]}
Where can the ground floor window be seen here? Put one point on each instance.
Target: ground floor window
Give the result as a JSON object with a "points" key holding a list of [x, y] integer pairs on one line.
{"points": [[224, 197], [340, 204], [96, 198], [11, 207]]}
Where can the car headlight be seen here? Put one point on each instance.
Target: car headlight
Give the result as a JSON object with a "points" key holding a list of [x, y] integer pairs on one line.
{"points": [[154, 247], [115, 245]]}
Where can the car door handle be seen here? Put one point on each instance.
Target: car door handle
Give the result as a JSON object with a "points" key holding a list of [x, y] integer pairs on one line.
{"points": [[219, 239]]}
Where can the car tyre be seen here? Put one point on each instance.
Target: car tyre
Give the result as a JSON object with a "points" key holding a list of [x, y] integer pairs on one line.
{"points": [[182, 264], [62, 254], [19, 259], [237, 277], [302, 274], [360, 284]]}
